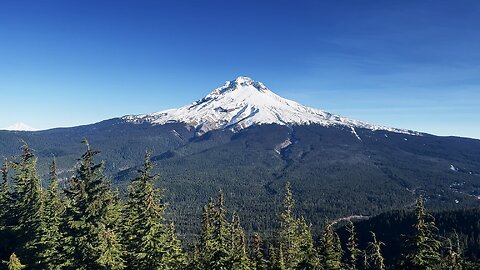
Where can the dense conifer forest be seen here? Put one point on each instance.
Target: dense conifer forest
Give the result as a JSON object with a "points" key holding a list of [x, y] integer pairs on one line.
{"points": [[83, 223]]}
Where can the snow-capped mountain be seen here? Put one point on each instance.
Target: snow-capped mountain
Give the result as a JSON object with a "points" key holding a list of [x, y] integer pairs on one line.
{"points": [[244, 102], [325, 156], [20, 127]]}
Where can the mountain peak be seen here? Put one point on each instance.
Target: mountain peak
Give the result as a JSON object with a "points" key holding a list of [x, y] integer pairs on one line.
{"points": [[244, 102], [240, 84], [20, 127], [242, 80]]}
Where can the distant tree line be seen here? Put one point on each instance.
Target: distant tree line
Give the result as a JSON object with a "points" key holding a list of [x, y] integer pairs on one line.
{"points": [[83, 224]]}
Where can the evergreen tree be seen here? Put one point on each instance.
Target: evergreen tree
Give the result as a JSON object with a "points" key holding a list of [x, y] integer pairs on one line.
{"points": [[111, 256], [353, 252], [295, 236], [259, 261], [238, 246], [92, 216], [175, 258], [14, 263], [308, 255], [7, 236], [52, 215], [27, 208], [216, 251], [280, 265], [375, 257], [5, 201], [273, 263], [453, 259], [330, 249], [365, 262], [150, 243], [423, 249], [207, 242], [222, 243], [195, 260]]}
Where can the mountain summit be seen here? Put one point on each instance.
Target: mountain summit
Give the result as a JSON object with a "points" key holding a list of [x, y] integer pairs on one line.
{"points": [[244, 102]]}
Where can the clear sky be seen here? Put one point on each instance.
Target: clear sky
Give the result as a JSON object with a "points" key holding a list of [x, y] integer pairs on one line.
{"points": [[408, 64]]}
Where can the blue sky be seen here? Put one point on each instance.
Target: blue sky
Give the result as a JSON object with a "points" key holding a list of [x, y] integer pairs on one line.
{"points": [[409, 64]]}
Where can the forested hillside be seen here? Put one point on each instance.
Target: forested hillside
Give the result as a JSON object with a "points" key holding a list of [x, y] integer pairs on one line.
{"points": [[82, 223], [383, 171]]}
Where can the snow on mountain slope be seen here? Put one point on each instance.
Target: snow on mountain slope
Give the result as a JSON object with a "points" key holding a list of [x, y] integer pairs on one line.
{"points": [[20, 127], [244, 102]]}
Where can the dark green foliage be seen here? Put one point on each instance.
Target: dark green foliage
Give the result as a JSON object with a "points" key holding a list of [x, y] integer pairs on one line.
{"points": [[258, 256], [222, 243], [453, 254], [51, 217], [295, 236], [6, 211], [275, 261], [92, 217], [374, 254], [323, 164], [78, 229], [175, 257], [5, 200], [238, 246], [27, 209], [280, 264], [353, 252], [330, 250], [151, 244], [423, 248]]}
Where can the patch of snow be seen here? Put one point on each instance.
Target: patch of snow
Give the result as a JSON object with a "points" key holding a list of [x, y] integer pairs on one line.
{"points": [[355, 133], [452, 168], [176, 133], [20, 127], [243, 102], [405, 139], [386, 136], [283, 145], [456, 201]]}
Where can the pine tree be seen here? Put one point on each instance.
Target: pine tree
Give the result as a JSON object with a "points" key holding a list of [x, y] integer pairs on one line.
{"points": [[150, 243], [272, 258], [375, 257], [220, 224], [217, 250], [330, 249], [295, 236], [238, 246], [27, 208], [5, 212], [52, 215], [175, 258], [195, 260], [423, 249], [7, 236], [222, 243], [92, 216], [453, 259], [5, 200], [14, 263], [259, 261], [352, 247], [281, 259], [365, 262], [207, 241], [308, 255], [111, 256]]}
